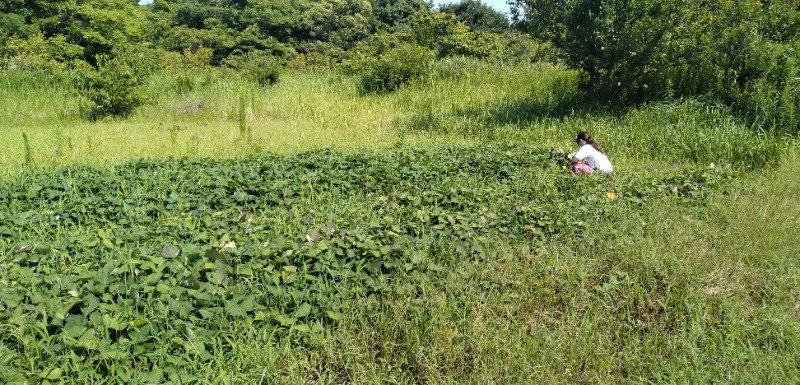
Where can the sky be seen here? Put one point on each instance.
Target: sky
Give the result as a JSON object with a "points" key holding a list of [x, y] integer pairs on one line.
{"points": [[500, 5]]}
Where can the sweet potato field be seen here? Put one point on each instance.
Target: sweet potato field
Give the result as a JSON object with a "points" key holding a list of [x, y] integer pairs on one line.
{"points": [[137, 270]]}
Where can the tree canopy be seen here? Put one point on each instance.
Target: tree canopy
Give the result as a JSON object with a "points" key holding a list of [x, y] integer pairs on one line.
{"points": [[478, 16], [743, 53]]}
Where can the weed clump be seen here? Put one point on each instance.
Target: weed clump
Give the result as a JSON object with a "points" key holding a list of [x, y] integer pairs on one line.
{"points": [[397, 67]]}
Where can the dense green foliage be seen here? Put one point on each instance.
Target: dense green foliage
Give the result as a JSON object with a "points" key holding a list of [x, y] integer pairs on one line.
{"points": [[478, 16], [418, 260], [395, 15], [135, 272], [742, 53], [397, 66], [615, 43], [114, 87]]}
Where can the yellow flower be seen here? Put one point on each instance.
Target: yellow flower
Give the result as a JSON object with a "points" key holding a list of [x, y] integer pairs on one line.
{"points": [[611, 194]]}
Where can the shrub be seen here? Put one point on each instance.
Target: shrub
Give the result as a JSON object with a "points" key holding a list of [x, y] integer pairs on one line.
{"points": [[773, 101], [363, 57], [521, 48], [320, 52], [311, 61], [191, 59], [257, 67], [114, 86], [184, 83], [446, 35], [396, 67], [757, 78]]}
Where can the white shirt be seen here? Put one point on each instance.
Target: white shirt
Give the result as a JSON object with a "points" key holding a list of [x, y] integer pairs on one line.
{"points": [[595, 159]]}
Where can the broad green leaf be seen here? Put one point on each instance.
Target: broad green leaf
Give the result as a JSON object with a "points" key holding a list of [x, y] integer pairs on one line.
{"points": [[170, 251], [285, 320], [138, 323], [52, 374], [334, 315], [303, 311], [301, 327]]}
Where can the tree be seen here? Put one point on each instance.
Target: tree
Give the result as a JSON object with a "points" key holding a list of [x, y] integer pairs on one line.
{"points": [[752, 48], [478, 16], [68, 30], [279, 19], [614, 42], [397, 14], [15, 19], [207, 14], [98, 26], [339, 23], [447, 36]]}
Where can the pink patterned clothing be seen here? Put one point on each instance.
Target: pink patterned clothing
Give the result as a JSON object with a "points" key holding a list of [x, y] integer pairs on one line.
{"points": [[596, 160]]}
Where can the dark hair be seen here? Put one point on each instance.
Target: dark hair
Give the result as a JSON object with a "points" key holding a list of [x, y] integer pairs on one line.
{"points": [[588, 139]]}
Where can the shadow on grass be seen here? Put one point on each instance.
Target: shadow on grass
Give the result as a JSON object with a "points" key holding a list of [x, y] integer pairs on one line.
{"points": [[482, 122]]}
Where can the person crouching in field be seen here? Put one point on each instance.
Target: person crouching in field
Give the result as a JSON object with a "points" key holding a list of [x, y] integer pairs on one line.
{"points": [[590, 157]]}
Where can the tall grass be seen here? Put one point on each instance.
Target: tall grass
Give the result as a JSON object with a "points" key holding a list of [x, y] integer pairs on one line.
{"points": [[202, 114], [37, 98]]}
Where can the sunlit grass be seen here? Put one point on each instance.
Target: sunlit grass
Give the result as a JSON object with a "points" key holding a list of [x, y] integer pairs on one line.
{"points": [[463, 101], [302, 112]]}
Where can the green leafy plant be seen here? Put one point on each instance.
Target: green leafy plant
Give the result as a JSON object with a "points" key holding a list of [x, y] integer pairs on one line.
{"points": [[396, 67], [259, 68], [444, 34], [132, 269], [614, 43], [114, 87]]}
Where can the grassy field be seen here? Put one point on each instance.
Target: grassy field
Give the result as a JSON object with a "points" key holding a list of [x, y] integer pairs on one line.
{"points": [[494, 265], [465, 102]]}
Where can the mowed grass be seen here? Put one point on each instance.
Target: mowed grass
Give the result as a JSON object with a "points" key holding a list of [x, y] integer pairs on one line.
{"points": [[664, 293]]}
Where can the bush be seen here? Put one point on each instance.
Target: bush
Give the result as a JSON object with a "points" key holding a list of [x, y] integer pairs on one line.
{"points": [[313, 61], [193, 60], [114, 86], [257, 67], [184, 83], [521, 48], [396, 67], [758, 79], [363, 57], [322, 52], [446, 35], [773, 101]]}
